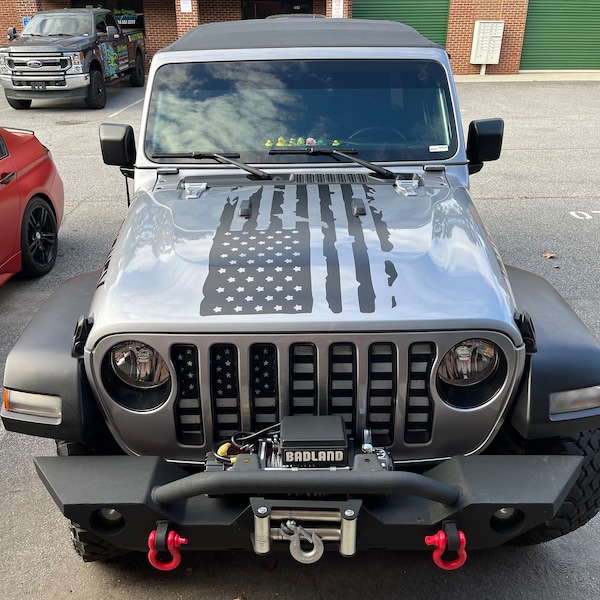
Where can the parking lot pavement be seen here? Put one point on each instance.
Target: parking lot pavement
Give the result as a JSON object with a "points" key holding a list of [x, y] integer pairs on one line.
{"points": [[542, 196]]}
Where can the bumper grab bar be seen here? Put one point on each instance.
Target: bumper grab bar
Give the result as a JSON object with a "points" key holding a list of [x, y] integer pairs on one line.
{"points": [[303, 482]]}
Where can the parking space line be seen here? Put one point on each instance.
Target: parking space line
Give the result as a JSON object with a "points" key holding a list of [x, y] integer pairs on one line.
{"points": [[126, 108]]}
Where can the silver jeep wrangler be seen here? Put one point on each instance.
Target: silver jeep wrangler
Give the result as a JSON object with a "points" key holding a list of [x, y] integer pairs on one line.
{"points": [[303, 336]]}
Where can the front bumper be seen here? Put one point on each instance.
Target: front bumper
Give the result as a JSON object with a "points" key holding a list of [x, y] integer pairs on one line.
{"points": [[382, 509], [71, 87]]}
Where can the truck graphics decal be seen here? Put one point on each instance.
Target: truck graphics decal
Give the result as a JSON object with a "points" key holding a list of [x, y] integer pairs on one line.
{"points": [[110, 59], [265, 264]]}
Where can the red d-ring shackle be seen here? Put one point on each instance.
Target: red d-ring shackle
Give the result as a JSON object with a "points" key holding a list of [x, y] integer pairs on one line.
{"points": [[173, 542], [440, 541]]}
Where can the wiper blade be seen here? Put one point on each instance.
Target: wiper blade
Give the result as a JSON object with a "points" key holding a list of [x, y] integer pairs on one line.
{"points": [[228, 158], [316, 151]]}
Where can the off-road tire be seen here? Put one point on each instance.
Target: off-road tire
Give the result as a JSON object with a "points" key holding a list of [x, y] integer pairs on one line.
{"points": [[87, 544], [18, 104], [138, 77], [96, 96], [90, 547], [583, 500]]}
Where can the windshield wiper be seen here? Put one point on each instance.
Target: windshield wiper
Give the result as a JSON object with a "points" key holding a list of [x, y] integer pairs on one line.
{"points": [[387, 174], [227, 158]]}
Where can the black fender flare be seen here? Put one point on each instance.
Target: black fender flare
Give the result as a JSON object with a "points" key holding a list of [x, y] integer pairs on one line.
{"points": [[567, 357], [41, 362]]}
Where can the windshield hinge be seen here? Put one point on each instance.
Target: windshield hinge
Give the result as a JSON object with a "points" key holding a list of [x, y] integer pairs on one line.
{"points": [[408, 187]]}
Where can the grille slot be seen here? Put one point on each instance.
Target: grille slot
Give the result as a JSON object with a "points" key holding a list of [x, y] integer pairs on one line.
{"points": [[383, 372], [419, 406], [188, 410], [264, 389], [303, 380], [225, 391], [342, 383]]}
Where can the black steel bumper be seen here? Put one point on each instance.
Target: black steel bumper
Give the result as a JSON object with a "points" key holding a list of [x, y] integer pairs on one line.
{"points": [[381, 509]]}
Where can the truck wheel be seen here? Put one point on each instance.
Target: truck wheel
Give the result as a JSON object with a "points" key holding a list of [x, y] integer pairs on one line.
{"points": [[18, 104], [87, 544], [39, 238], [96, 96], [583, 500], [138, 77], [90, 547]]}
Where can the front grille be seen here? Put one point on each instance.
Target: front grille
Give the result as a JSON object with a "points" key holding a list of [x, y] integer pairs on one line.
{"points": [[285, 384]]}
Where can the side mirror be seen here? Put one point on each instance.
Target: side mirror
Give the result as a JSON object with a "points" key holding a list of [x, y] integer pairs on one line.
{"points": [[112, 32], [11, 33], [484, 142], [117, 143]]}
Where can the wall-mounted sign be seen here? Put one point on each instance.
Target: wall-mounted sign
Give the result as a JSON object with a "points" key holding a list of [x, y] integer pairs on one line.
{"points": [[185, 6], [337, 9]]}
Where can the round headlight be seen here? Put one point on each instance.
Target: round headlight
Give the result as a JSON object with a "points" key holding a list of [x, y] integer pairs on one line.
{"points": [[138, 365], [469, 363]]}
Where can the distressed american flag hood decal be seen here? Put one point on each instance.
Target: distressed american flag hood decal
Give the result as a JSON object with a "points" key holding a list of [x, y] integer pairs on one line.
{"points": [[283, 256]]}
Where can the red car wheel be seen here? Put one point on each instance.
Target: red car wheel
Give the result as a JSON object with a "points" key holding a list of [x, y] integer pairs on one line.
{"points": [[39, 238]]}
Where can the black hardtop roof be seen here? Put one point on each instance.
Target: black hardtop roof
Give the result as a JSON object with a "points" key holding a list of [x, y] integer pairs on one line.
{"points": [[300, 33]]}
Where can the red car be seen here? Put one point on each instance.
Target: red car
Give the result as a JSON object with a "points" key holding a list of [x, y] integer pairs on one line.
{"points": [[31, 205]]}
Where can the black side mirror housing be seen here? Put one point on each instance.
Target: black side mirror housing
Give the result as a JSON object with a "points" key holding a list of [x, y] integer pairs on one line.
{"points": [[117, 143], [112, 32], [484, 142], [11, 33]]}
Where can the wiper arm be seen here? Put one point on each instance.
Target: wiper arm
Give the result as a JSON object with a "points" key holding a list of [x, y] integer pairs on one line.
{"points": [[228, 158], [386, 173]]}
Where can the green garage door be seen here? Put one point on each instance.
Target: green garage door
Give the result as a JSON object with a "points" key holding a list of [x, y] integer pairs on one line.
{"points": [[562, 34], [428, 17]]}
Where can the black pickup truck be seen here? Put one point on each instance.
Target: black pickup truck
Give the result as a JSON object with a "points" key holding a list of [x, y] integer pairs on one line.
{"points": [[69, 54]]}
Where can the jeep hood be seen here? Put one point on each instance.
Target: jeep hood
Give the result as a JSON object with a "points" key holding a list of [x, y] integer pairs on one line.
{"points": [[288, 257]]}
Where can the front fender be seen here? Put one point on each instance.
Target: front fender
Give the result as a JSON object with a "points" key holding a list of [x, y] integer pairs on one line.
{"points": [[567, 358], [41, 363]]}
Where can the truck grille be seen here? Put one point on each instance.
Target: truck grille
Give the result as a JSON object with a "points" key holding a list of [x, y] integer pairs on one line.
{"points": [[28, 68], [252, 387]]}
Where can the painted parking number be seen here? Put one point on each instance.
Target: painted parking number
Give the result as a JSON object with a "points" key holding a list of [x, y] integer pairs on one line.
{"points": [[582, 216]]}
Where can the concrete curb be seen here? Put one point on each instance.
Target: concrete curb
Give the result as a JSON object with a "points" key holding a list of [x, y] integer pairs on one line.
{"points": [[531, 76]]}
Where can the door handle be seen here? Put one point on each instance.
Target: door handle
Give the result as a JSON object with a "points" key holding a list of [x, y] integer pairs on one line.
{"points": [[6, 177]]}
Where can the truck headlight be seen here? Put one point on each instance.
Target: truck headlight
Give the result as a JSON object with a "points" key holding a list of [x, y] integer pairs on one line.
{"points": [[4, 70], [76, 59], [469, 363], [471, 373], [136, 375]]}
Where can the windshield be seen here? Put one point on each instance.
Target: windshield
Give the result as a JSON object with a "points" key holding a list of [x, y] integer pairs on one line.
{"points": [[386, 110], [65, 24]]}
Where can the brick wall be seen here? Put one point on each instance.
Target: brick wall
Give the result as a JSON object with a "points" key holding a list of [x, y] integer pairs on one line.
{"points": [[165, 23], [461, 24]]}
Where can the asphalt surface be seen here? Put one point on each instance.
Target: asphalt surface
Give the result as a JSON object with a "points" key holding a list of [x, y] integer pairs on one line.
{"points": [[541, 197]]}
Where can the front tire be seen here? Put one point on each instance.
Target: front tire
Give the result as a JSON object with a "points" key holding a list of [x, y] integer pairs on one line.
{"points": [[96, 96], [583, 500], [39, 238], [87, 544]]}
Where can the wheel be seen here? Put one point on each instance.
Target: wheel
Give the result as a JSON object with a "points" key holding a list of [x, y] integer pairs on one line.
{"points": [[138, 77], [583, 500], [376, 134], [87, 544], [18, 104], [39, 238], [96, 96]]}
